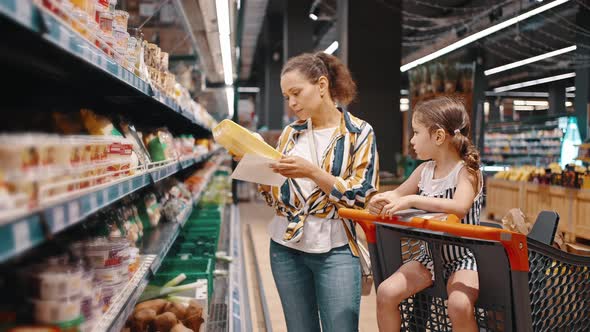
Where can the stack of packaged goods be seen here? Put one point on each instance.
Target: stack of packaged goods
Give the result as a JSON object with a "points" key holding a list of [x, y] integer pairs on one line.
{"points": [[572, 176], [106, 27]]}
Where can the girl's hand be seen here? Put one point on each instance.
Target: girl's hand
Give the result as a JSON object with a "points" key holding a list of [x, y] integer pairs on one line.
{"points": [[377, 203], [294, 167], [402, 203]]}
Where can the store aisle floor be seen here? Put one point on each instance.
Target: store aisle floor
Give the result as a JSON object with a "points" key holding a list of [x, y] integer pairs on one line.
{"points": [[257, 215]]}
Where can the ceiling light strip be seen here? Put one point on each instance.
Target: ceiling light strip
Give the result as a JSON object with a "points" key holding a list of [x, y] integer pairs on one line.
{"points": [[534, 82], [481, 34], [529, 60]]}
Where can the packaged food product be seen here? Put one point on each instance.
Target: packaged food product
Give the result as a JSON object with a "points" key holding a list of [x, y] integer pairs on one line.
{"points": [[99, 7], [152, 56], [121, 39], [164, 61], [55, 282], [49, 311], [80, 4], [121, 18], [109, 292], [80, 22], [105, 21], [114, 274], [239, 141]]}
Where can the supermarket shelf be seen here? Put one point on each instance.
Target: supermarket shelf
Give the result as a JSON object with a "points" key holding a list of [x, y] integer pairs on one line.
{"points": [[55, 53], [114, 319], [518, 129], [31, 229], [527, 139], [157, 242], [509, 154]]}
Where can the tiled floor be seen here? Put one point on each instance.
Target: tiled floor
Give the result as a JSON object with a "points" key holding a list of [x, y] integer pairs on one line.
{"points": [[258, 215]]}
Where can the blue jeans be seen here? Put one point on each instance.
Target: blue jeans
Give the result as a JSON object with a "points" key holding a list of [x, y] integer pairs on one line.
{"points": [[307, 283]]}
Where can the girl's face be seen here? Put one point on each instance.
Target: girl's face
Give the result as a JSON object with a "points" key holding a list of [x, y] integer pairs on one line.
{"points": [[302, 96], [422, 141]]}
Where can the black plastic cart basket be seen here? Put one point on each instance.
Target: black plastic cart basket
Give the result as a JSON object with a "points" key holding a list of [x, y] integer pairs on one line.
{"points": [[525, 285]]}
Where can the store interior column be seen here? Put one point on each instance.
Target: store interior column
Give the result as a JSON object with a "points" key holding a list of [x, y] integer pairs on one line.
{"points": [[557, 97], [582, 100], [371, 38], [274, 102]]}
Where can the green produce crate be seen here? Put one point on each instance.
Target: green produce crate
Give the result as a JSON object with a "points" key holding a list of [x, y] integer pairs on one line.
{"points": [[193, 268]]}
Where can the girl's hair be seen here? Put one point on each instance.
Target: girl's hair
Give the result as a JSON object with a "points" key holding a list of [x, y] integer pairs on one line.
{"points": [[450, 115], [313, 66]]}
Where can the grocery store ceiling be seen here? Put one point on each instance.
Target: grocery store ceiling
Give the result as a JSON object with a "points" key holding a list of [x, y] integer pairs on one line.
{"points": [[431, 25]]}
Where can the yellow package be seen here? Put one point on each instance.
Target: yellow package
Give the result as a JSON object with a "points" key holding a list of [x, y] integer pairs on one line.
{"points": [[239, 141]]}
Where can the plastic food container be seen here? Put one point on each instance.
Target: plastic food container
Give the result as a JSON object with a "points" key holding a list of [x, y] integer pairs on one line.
{"points": [[53, 283], [121, 39], [131, 43], [102, 253], [105, 21], [152, 55], [48, 311], [80, 4], [164, 61], [239, 141], [109, 292], [121, 18]]}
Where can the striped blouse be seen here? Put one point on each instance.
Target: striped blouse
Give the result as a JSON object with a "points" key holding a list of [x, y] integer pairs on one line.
{"points": [[351, 157]]}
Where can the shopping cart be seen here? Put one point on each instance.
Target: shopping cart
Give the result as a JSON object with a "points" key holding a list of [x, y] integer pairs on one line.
{"points": [[525, 285]]}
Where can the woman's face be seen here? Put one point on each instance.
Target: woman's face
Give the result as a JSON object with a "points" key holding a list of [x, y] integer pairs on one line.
{"points": [[422, 141], [302, 96]]}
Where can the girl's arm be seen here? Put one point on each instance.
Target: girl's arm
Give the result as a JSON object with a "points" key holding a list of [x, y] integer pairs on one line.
{"points": [[459, 205], [408, 187]]}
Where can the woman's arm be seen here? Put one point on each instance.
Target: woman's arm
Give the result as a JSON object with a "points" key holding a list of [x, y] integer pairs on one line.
{"points": [[459, 205]]}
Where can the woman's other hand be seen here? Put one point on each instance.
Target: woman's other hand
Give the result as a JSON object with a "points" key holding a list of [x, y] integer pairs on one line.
{"points": [[294, 167]]}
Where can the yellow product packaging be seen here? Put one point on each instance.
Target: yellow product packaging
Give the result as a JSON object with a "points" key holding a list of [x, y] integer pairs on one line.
{"points": [[239, 141]]}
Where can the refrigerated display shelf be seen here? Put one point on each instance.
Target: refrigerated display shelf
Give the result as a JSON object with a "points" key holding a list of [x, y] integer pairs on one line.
{"points": [[526, 139], [81, 59], [31, 229], [124, 303]]}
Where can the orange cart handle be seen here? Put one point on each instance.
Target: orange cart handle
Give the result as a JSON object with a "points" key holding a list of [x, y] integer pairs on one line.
{"points": [[514, 243]]}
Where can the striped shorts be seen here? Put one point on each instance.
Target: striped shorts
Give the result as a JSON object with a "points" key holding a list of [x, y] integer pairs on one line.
{"points": [[454, 259]]}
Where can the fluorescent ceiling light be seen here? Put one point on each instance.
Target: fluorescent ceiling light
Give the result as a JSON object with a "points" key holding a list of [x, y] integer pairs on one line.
{"points": [[531, 103], [404, 101], [229, 94], [224, 39], [313, 16], [404, 107], [534, 82], [404, 92], [524, 108], [518, 94], [481, 34], [569, 104], [332, 48], [249, 89], [570, 89], [529, 60]]}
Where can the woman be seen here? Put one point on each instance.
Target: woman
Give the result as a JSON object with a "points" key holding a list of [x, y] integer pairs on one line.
{"points": [[330, 161]]}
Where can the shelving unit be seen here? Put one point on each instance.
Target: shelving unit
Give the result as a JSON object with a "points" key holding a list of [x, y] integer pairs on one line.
{"points": [[535, 141], [64, 63], [26, 231], [44, 57]]}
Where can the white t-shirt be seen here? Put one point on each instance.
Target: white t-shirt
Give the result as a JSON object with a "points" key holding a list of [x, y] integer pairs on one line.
{"points": [[319, 235]]}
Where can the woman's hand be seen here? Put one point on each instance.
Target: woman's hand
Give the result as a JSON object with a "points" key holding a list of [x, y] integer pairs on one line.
{"points": [[402, 203], [377, 203], [295, 167]]}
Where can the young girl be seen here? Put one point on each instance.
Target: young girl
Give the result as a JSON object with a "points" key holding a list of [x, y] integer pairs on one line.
{"points": [[451, 183]]}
